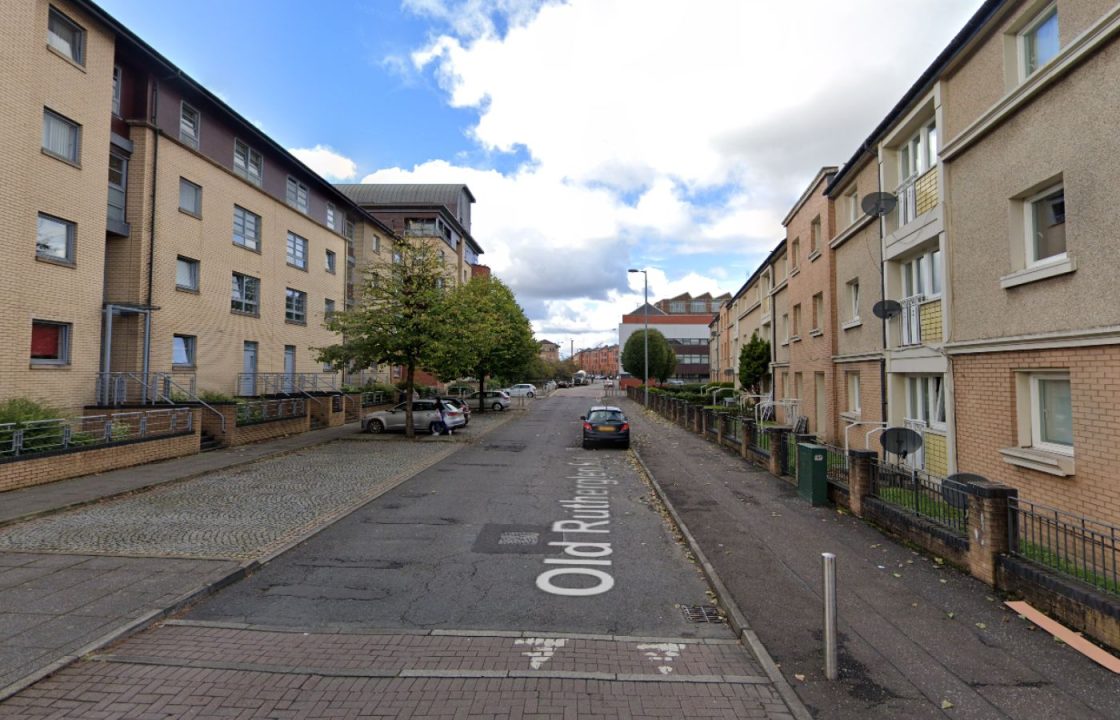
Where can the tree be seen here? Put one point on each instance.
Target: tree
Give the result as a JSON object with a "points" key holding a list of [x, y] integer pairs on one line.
{"points": [[754, 364], [662, 359], [484, 332], [396, 319]]}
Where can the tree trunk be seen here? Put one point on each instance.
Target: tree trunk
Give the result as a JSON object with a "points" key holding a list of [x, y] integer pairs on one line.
{"points": [[409, 379], [481, 391]]}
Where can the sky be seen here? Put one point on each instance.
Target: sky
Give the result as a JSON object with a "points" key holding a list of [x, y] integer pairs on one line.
{"points": [[595, 135]]}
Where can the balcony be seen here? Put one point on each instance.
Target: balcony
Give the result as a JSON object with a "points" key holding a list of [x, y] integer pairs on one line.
{"points": [[917, 196], [920, 319]]}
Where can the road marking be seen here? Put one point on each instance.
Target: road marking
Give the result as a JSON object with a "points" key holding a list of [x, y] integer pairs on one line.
{"points": [[544, 649], [589, 513], [664, 653]]}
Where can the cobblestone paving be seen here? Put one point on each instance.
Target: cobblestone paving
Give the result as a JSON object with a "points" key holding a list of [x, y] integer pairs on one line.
{"points": [[240, 515]]}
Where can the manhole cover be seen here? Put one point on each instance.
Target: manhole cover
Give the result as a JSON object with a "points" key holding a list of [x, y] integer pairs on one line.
{"points": [[702, 614], [519, 538]]}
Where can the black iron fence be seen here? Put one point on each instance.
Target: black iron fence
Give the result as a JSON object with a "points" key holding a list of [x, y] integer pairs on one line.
{"points": [[787, 454], [938, 500], [836, 466], [710, 420], [1072, 545], [759, 442]]}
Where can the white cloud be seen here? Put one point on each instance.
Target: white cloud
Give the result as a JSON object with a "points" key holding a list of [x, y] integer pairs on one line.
{"points": [[327, 162], [661, 133]]}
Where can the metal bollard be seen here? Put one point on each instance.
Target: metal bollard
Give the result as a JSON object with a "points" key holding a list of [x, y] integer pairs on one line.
{"points": [[828, 562]]}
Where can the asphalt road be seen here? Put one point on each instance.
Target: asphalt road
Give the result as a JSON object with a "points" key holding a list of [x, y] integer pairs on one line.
{"points": [[464, 545]]}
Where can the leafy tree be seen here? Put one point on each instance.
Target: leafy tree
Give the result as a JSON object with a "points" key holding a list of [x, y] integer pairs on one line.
{"points": [[754, 363], [484, 332], [662, 359], [396, 319]]}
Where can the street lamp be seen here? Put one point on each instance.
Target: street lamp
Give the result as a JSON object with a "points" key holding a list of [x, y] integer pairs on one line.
{"points": [[645, 317]]}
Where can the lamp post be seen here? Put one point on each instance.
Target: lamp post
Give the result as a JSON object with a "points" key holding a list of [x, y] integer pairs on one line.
{"points": [[645, 318]]}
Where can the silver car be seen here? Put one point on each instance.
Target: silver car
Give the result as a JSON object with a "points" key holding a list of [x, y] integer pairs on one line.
{"points": [[495, 400], [425, 418]]}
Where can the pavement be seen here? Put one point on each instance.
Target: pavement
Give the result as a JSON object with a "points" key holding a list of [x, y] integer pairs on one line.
{"points": [[917, 639]]}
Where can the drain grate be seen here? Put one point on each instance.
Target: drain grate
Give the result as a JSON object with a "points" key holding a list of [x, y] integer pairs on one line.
{"points": [[519, 538], [702, 614]]}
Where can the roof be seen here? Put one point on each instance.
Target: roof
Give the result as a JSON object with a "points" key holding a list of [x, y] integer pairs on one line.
{"points": [[406, 193], [824, 172], [653, 310]]}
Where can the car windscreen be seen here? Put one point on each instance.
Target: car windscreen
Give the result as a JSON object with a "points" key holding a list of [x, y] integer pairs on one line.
{"points": [[605, 416]]}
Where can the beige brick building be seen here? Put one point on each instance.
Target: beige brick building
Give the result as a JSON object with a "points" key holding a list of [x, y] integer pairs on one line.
{"points": [[208, 260]]}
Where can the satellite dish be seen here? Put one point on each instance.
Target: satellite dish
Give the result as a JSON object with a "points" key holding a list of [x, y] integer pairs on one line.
{"points": [[886, 309], [954, 487], [900, 441], [878, 204]]}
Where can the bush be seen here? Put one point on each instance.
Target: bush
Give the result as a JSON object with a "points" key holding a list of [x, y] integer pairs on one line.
{"points": [[210, 396], [19, 410]]}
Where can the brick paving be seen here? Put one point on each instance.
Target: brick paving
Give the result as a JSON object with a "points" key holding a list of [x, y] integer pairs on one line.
{"points": [[208, 671]]}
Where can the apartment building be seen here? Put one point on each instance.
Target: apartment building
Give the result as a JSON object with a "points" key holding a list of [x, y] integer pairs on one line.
{"points": [[808, 225], [684, 320], [178, 248], [602, 360], [1030, 132], [549, 351], [856, 257], [437, 213]]}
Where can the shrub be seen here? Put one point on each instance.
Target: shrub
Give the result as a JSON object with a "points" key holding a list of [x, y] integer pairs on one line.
{"points": [[211, 396]]}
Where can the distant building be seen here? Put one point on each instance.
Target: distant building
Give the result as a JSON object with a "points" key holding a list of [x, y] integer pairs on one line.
{"points": [[684, 321], [598, 361], [549, 351]]}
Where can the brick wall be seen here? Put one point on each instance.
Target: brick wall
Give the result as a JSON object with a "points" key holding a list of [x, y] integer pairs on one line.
{"points": [[870, 399], [986, 417], [245, 434]]}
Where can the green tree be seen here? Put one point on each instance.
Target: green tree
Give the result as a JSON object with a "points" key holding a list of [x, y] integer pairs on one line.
{"points": [[484, 332], [396, 319], [754, 364], [662, 359]]}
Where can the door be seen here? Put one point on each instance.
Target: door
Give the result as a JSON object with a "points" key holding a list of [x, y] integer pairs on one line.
{"points": [[289, 369], [821, 428], [248, 384]]}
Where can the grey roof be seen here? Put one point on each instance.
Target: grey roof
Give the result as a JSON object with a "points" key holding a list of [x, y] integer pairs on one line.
{"points": [[405, 193], [653, 310]]}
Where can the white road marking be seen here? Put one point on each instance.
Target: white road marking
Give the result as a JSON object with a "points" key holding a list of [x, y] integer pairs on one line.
{"points": [[544, 649], [663, 653]]}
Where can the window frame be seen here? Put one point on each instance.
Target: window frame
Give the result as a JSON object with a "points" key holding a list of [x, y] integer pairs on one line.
{"points": [[302, 197], [855, 407], [930, 408], [818, 313], [191, 348], [795, 322], [295, 306], [1023, 41], [852, 287], [331, 261], [794, 257], [186, 109], [244, 286], [65, 341], [854, 210], [71, 239], [245, 170], [295, 250], [194, 272], [117, 78], [331, 219], [76, 130], [197, 212], [77, 52], [246, 213], [815, 235], [1029, 205], [1037, 442]]}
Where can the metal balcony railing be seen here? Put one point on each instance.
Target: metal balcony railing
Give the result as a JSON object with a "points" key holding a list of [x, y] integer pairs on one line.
{"points": [[251, 384], [910, 321], [917, 195]]}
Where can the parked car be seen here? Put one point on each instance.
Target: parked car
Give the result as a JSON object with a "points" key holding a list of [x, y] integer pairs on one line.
{"points": [[605, 424], [608, 383], [461, 404], [494, 399], [425, 417], [563, 384], [523, 390], [674, 382]]}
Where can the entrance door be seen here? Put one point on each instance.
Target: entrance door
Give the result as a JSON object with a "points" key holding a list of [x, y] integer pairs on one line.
{"points": [[822, 408], [248, 385], [289, 368]]}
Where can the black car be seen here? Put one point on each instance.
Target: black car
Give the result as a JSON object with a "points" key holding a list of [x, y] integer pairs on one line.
{"points": [[605, 425]]}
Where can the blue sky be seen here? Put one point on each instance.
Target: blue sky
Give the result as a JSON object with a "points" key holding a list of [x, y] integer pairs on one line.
{"points": [[596, 135]]}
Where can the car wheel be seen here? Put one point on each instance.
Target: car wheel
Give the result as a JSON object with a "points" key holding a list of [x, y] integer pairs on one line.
{"points": [[530, 395], [497, 406], [375, 426], [586, 445]]}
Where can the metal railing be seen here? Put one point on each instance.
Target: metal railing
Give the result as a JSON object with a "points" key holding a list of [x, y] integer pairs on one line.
{"points": [[836, 466], [249, 384], [374, 398], [258, 411], [787, 454], [711, 417], [759, 441], [938, 500], [910, 320], [24, 439], [733, 428], [916, 195], [1073, 545], [126, 388]]}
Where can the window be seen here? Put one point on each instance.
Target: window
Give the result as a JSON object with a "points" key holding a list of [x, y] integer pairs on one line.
{"points": [[50, 343], [55, 238], [190, 198], [330, 261], [65, 36], [853, 393], [818, 311], [785, 328], [922, 275], [797, 385], [851, 201], [246, 294], [795, 254], [246, 228], [247, 163], [186, 273], [1039, 41], [61, 137], [348, 229], [815, 235], [397, 259], [330, 216], [1051, 412], [118, 184], [328, 308], [190, 124], [297, 194], [295, 306], [376, 244], [117, 91], [676, 307], [420, 227], [853, 299], [297, 251], [785, 384], [1046, 225], [796, 322], [925, 400], [182, 350]]}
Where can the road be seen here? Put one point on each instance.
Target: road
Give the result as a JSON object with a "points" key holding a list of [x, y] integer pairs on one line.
{"points": [[521, 576]]}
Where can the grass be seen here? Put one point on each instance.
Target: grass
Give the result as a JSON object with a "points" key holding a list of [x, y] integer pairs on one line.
{"points": [[928, 507], [1044, 556]]}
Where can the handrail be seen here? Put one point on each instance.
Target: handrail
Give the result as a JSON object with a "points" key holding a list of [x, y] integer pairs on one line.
{"points": [[195, 398], [882, 426]]}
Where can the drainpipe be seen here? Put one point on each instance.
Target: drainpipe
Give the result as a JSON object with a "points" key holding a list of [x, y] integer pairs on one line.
{"points": [[882, 296], [152, 231]]}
